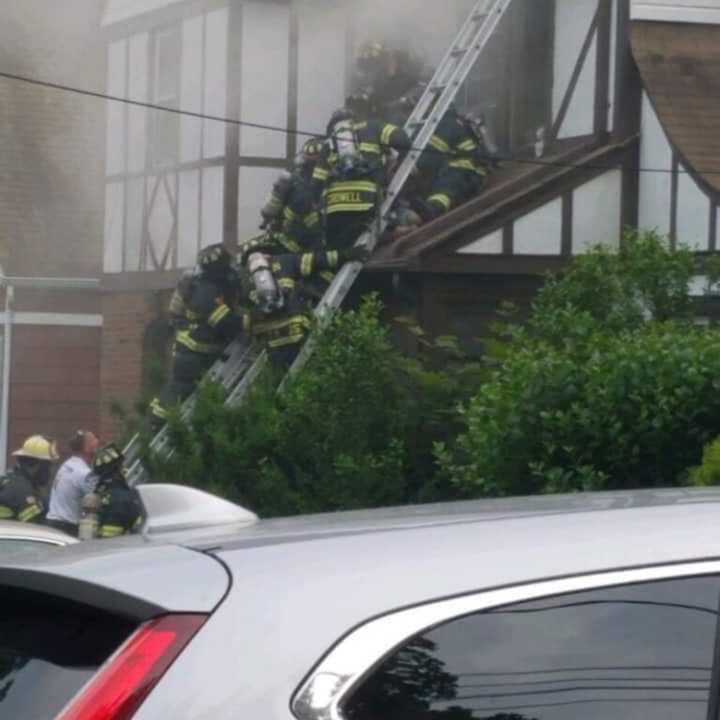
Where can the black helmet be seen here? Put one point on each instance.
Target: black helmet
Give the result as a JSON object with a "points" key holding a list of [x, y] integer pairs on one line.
{"points": [[360, 103], [214, 257], [337, 117], [107, 461]]}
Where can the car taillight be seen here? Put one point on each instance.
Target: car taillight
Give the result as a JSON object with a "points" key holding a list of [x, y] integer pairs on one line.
{"points": [[124, 681]]}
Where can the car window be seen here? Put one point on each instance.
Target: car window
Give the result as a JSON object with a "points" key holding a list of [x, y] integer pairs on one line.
{"points": [[49, 649], [627, 653]]}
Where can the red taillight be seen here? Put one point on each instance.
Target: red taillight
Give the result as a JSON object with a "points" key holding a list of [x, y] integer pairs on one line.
{"points": [[124, 681]]}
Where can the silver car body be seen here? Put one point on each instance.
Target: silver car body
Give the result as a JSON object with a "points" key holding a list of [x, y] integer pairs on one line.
{"points": [[301, 608], [18, 532]]}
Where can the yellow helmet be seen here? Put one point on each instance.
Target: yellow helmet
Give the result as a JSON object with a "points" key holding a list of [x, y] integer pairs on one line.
{"points": [[38, 447]]}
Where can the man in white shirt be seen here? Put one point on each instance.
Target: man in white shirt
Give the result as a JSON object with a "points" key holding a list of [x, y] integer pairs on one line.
{"points": [[73, 481]]}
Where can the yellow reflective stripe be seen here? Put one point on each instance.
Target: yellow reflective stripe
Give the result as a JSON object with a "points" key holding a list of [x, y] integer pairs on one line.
{"points": [[217, 316], [286, 283], [370, 148], [321, 174], [184, 339], [6, 513], [333, 258], [467, 145], [353, 186], [441, 198], [360, 125], [312, 219], [466, 165], [293, 339], [387, 133], [289, 214], [306, 264], [157, 409], [290, 245], [29, 513], [439, 144], [343, 207], [111, 531], [328, 276]]}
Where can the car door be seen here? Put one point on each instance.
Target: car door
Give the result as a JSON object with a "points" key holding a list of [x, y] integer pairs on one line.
{"points": [[621, 646]]}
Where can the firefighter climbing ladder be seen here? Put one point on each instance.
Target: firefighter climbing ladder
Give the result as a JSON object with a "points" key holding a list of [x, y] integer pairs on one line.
{"points": [[243, 361]]}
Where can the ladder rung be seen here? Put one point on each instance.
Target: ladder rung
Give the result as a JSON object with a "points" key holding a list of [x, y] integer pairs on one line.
{"points": [[459, 52], [437, 88]]}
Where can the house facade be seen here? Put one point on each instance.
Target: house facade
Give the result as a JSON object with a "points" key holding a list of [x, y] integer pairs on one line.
{"points": [[576, 93], [51, 216]]}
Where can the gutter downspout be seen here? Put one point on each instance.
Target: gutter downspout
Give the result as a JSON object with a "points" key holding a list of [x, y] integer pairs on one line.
{"points": [[7, 355]]}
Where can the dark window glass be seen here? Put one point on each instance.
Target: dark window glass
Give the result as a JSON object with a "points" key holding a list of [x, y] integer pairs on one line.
{"points": [[48, 651], [629, 653]]}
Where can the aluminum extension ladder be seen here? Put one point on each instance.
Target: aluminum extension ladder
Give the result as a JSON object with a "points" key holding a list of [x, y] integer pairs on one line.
{"points": [[246, 361]]}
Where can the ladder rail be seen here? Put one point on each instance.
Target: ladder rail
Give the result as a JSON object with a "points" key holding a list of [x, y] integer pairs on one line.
{"points": [[437, 107], [434, 103]]}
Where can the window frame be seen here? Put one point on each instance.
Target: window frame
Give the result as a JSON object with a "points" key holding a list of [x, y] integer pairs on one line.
{"points": [[333, 679]]}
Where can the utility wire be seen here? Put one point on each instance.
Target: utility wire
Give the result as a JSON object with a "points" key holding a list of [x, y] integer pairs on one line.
{"points": [[290, 131]]}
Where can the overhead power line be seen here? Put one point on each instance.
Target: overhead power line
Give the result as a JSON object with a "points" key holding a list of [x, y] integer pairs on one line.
{"points": [[290, 131]]}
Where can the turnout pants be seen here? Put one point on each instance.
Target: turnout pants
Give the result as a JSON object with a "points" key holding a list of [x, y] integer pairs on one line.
{"points": [[453, 187]]}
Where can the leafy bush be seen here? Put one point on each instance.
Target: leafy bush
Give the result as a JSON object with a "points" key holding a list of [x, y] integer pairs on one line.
{"points": [[600, 389], [355, 429], [630, 410], [708, 473]]}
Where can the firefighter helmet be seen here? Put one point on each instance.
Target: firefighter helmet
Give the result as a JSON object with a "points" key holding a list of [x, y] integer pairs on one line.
{"points": [[360, 103], [107, 460], [312, 150], [338, 117], [371, 56], [38, 447], [214, 257]]}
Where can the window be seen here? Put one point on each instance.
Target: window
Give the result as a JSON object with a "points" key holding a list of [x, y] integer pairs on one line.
{"points": [[627, 653], [165, 140], [49, 648]]}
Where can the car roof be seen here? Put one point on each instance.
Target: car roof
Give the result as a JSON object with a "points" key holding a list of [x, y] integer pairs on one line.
{"points": [[306, 582], [13, 530]]}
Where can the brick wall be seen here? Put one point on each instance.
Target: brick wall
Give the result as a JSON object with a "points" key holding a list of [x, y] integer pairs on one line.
{"points": [[55, 380], [127, 344], [52, 159]]}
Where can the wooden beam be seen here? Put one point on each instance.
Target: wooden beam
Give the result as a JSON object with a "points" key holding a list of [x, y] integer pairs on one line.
{"points": [[293, 142], [232, 132], [566, 237], [712, 240], [508, 239], [602, 66], [674, 199]]}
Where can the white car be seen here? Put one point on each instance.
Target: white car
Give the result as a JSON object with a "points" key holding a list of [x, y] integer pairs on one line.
{"points": [[17, 536]]}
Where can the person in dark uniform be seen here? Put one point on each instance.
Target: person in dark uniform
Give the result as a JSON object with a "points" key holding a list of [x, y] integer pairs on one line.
{"points": [[354, 171], [206, 314], [120, 511], [292, 212], [24, 489]]}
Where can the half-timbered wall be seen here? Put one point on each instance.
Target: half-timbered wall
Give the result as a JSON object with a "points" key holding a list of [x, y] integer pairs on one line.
{"points": [[165, 173], [568, 224], [671, 201], [583, 91]]}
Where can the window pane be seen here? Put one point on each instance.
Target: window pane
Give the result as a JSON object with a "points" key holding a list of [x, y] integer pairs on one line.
{"points": [[627, 653]]}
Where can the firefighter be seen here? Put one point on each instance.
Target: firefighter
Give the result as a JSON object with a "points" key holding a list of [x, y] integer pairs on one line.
{"points": [[298, 278], [354, 170], [120, 510], [291, 213], [23, 490], [457, 162], [386, 75], [206, 315]]}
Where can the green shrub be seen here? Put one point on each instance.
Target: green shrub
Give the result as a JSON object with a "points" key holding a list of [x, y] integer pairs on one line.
{"points": [[708, 473], [625, 410], [354, 429]]}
